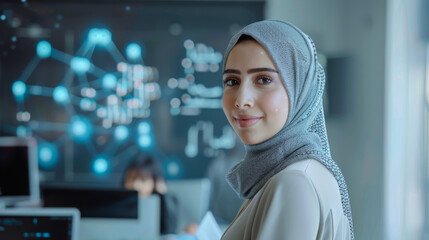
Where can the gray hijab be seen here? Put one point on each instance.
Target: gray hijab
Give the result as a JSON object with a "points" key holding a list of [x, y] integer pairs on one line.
{"points": [[304, 134]]}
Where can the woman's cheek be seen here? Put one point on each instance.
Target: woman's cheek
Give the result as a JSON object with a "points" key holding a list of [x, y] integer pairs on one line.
{"points": [[227, 100], [276, 108], [275, 102]]}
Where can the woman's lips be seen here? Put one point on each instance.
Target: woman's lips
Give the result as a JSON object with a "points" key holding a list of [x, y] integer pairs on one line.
{"points": [[247, 121]]}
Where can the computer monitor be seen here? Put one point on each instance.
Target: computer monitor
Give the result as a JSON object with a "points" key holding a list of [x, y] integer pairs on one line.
{"points": [[109, 214], [39, 223], [93, 202], [146, 227], [19, 171]]}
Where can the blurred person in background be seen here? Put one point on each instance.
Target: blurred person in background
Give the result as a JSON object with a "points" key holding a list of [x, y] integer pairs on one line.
{"points": [[145, 175]]}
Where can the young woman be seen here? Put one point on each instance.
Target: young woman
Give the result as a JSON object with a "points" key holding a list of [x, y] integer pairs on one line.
{"points": [[273, 87]]}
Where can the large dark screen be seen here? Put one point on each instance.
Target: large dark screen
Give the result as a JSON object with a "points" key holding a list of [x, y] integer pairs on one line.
{"points": [[94, 203], [14, 174]]}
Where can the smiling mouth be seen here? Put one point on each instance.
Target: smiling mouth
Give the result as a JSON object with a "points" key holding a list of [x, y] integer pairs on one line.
{"points": [[247, 121]]}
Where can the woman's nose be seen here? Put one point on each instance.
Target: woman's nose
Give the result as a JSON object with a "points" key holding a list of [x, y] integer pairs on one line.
{"points": [[245, 98]]}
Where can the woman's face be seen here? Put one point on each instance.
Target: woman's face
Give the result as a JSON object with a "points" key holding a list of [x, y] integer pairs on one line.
{"points": [[254, 100], [142, 182]]}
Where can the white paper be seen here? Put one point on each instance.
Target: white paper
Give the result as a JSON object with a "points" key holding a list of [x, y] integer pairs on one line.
{"points": [[208, 229]]}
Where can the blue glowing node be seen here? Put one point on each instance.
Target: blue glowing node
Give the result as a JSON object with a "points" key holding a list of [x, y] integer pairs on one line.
{"points": [[85, 104], [18, 88], [144, 128], [175, 111], [100, 165], [191, 151], [109, 81], [44, 49], [173, 168], [45, 154], [134, 51], [144, 141], [48, 155], [121, 133], [218, 57], [80, 65], [3, 17], [80, 129], [93, 35], [100, 36], [21, 131], [61, 95]]}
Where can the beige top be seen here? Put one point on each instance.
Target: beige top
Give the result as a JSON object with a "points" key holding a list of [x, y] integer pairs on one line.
{"points": [[301, 202]]}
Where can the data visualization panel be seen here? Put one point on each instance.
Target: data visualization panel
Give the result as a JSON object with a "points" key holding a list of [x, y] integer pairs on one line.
{"points": [[101, 85]]}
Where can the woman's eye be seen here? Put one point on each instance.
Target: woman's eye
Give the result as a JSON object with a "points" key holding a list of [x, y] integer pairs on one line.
{"points": [[230, 82], [264, 80]]}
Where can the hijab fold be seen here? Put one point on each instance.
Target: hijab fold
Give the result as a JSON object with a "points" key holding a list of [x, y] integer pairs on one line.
{"points": [[304, 134]]}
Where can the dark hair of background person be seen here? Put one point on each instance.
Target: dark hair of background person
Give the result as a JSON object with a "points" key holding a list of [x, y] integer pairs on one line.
{"points": [[144, 165]]}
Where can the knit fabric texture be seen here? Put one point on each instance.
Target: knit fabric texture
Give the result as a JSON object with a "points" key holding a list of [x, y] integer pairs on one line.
{"points": [[304, 134]]}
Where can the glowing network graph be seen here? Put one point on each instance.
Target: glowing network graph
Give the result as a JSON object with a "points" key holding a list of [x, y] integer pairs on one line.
{"points": [[226, 141], [196, 96], [115, 98], [118, 102]]}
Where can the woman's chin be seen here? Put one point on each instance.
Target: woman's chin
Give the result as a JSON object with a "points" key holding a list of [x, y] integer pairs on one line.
{"points": [[250, 139]]}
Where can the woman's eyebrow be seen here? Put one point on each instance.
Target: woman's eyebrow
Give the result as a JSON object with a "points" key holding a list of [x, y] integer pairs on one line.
{"points": [[231, 71], [253, 70]]}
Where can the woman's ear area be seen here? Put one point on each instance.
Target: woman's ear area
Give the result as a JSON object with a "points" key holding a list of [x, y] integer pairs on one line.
{"points": [[287, 100]]}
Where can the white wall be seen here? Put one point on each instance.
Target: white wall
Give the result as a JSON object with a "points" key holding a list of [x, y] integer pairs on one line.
{"points": [[355, 29], [405, 156], [321, 20]]}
